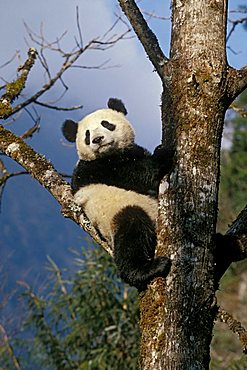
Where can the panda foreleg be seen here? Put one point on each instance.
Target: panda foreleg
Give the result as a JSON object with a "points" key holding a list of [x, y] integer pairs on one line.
{"points": [[134, 248]]}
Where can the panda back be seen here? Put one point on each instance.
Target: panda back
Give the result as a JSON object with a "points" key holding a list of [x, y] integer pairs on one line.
{"points": [[102, 203]]}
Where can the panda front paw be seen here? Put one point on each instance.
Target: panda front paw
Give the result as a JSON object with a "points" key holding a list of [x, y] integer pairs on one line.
{"points": [[164, 157], [80, 197], [162, 153]]}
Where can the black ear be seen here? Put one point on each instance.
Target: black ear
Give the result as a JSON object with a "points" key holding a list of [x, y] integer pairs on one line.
{"points": [[69, 130], [117, 104]]}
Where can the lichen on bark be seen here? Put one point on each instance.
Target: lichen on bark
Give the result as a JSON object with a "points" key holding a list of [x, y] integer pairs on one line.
{"points": [[14, 88]]}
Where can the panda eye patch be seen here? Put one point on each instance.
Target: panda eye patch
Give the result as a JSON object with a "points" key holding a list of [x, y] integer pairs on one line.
{"points": [[87, 137], [109, 126]]}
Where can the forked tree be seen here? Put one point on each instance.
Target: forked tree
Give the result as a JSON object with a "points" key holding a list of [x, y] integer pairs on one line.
{"points": [[178, 313]]}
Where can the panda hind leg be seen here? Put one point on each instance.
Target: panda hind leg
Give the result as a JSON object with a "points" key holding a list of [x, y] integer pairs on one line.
{"points": [[134, 248]]}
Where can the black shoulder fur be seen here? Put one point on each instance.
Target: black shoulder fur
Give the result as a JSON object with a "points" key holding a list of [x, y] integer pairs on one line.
{"points": [[133, 168]]}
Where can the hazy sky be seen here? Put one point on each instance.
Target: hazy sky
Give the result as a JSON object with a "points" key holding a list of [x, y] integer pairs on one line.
{"points": [[133, 80]]}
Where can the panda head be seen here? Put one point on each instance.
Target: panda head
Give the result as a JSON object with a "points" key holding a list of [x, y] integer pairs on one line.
{"points": [[102, 132]]}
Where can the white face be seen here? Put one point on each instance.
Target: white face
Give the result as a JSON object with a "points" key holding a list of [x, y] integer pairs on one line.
{"points": [[102, 132]]}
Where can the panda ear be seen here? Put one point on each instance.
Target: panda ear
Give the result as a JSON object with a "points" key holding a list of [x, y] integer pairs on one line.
{"points": [[118, 105], [69, 130]]}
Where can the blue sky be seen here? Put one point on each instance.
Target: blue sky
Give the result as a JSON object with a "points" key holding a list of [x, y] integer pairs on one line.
{"points": [[133, 80], [30, 218]]}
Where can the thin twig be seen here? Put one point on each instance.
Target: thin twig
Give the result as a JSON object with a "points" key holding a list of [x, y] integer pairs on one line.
{"points": [[234, 25], [234, 326], [145, 35], [79, 27], [76, 107], [153, 15], [36, 119], [240, 110], [31, 131], [10, 60], [99, 66], [241, 11], [69, 61], [237, 81]]}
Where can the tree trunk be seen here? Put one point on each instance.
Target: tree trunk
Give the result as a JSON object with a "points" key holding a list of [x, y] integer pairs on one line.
{"points": [[177, 317]]}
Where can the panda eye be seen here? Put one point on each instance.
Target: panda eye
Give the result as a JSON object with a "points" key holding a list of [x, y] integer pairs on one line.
{"points": [[108, 125], [87, 137]]}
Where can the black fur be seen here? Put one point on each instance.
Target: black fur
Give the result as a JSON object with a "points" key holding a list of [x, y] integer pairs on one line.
{"points": [[69, 130], [134, 248], [118, 105], [225, 246], [133, 168]]}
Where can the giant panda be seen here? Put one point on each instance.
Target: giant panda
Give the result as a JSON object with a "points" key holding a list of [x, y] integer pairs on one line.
{"points": [[116, 182]]}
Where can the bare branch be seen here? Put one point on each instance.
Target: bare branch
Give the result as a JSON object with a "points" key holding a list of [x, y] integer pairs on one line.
{"points": [[241, 11], [238, 230], [67, 64], [79, 27], [232, 50], [233, 245], [100, 43], [5, 175], [44, 172], [239, 110], [36, 119], [154, 15], [145, 35], [237, 82], [235, 326], [102, 66], [31, 131], [10, 60], [234, 25], [14, 88], [40, 40], [242, 78], [76, 107]]}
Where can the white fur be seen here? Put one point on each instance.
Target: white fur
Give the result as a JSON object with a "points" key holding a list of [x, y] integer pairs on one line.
{"points": [[120, 138], [102, 202]]}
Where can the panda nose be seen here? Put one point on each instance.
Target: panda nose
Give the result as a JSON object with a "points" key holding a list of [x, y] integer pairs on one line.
{"points": [[98, 139]]}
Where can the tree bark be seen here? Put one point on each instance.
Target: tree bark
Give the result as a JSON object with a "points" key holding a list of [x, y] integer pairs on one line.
{"points": [[189, 195], [177, 315]]}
